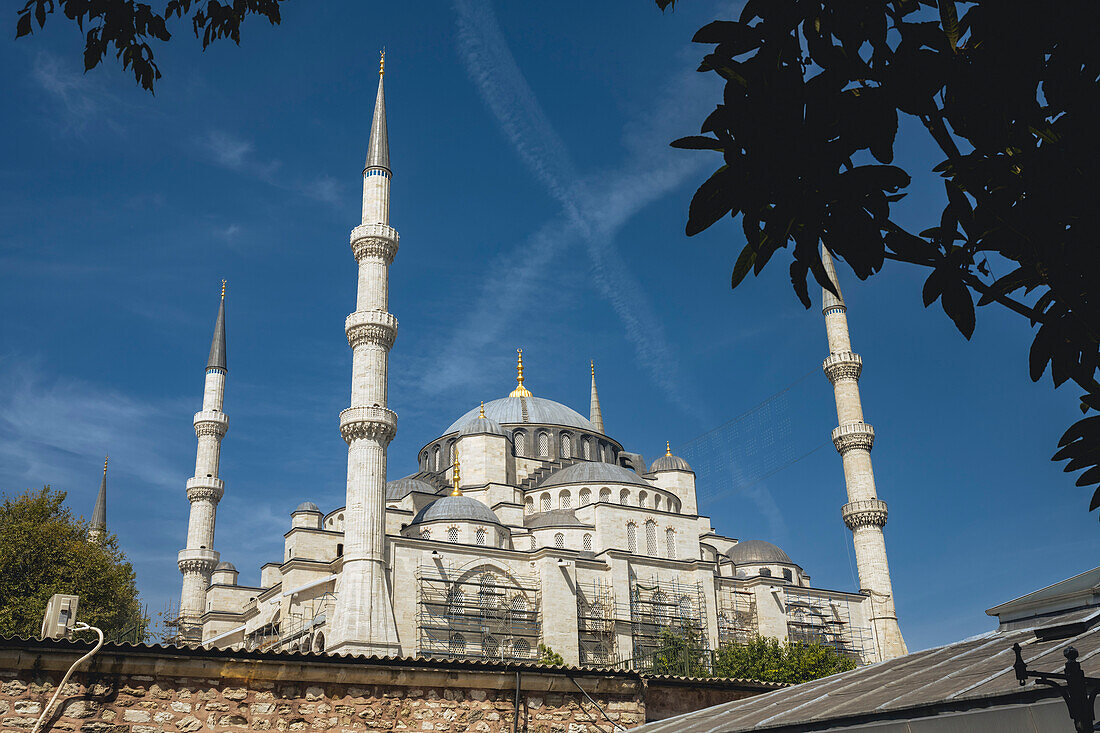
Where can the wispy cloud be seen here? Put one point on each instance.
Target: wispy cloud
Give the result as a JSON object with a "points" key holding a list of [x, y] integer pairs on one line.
{"points": [[240, 155], [83, 97], [594, 210]]}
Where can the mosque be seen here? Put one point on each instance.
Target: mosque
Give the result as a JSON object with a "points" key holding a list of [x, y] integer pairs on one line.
{"points": [[524, 524]]}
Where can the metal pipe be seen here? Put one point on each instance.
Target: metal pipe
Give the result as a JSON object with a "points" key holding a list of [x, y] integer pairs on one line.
{"points": [[515, 719]]}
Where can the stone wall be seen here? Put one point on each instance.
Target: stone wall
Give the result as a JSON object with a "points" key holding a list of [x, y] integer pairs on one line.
{"points": [[141, 689]]}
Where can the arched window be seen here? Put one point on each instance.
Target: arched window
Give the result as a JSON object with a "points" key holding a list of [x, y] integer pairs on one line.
{"points": [[544, 444], [519, 604], [787, 574], [490, 646], [624, 497], [425, 534], [487, 592], [632, 537], [532, 542], [519, 440], [765, 572], [605, 494], [424, 461], [559, 540], [565, 500], [339, 549], [450, 452], [457, 645], [674, 506], [651, 537], [643, 497], [521, 649], [684, 606], [586, 496], [587, 542], [565, 451], [436, 466], [546, 506], [455, 600], [452, 534], [480, 535], [657, 501], [586, 448], [529, 505], [670, 543]]}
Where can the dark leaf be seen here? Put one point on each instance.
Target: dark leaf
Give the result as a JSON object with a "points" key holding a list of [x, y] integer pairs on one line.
{"points": [[696, 142], [23, 26], [743, 265], [959, 306], [710, 203], [949, 18]]}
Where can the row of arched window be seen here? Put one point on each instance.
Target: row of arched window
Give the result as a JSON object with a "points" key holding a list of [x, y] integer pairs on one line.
{"points": [[643, 499], [650, 539], [559, 541], [566, 444]]}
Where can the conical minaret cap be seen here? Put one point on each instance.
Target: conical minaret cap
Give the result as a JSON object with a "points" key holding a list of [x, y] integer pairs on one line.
{"points": [[378, 151], [217, 345], [99, 513], [595, 415], [828, 300]]}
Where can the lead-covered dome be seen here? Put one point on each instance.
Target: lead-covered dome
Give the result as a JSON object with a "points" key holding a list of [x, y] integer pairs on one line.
{"points": [[307, 506], [669, 462], [224, 565], [402, 487], [753, 552], [539, 411], [456, 509], [481, 426], [593, 472]]}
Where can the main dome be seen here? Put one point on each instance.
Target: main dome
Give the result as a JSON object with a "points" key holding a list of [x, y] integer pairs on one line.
{"points": [[510, 411], [456, 508]]}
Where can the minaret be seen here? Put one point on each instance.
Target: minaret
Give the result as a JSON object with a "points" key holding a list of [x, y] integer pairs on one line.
{"points": [[363, 620], [205, 489], [97, 528], [594, 415], [865, 513]]}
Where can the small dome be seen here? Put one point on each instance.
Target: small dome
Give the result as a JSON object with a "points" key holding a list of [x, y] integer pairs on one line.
{"points": [[402, 487], [481, 426], [669, 462], [307, 506], [751, 552], [223, 565], [593, 472], [456, 509]]}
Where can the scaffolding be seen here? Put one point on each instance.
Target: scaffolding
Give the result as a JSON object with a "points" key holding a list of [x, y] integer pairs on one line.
{"points": [[596, 624], [477, 615], [816, 619], [737, 623], [296, 631], [658, 608]]}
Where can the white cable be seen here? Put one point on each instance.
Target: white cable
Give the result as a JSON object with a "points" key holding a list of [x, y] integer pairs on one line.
{"points": [[80, 626]]}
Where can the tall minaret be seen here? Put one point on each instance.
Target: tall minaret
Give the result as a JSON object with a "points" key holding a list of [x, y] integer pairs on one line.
{"points": [[205, 489], [865, 513], [363, 620], [594, 415], [97, 528]]}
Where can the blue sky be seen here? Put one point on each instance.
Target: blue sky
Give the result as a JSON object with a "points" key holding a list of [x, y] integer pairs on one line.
{"points": [[539, 207]]}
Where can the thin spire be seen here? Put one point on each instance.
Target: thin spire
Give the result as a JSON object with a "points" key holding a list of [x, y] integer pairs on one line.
{"points": [[378, 151], [457, 478], [828, 300], [668, 448], [594, 415], [98, 526], [520, 390], [217, 345]]}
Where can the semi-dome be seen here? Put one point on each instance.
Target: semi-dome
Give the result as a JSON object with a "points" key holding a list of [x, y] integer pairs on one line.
{"points": [[307, 506], [593, 472], [751, 552], [402, 487], [669, 462], [456, 509], [223, 565], [539, 411]]}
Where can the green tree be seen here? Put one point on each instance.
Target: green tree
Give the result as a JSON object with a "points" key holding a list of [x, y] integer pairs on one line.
{"points": [[1007, 90], [45, 550], [548, 657], [680, 653], [128, 26], [767, 660]]}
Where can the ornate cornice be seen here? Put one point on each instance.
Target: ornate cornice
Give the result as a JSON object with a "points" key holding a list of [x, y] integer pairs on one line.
{"points": [[378, 423], [197, 561], [374, 241], [844, 365], [866, 513], [211, 422], [853, 436], [375, 327], [204, 493]]}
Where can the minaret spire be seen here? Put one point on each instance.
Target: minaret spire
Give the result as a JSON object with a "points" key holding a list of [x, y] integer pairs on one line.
{"points": [[865, 513], [363, 620], [204, 490], [594, 415], [520, 390], [98, 526]]}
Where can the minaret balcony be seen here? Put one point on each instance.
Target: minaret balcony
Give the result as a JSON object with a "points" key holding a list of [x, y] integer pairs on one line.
{"points": [[199, 561], [853, 436], [866, 513], [842, 365], [377, 241], [211, 422], [206, 488], [374, 422], [374, 327]]}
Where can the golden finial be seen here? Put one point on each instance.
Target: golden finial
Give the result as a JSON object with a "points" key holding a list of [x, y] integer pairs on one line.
{"points": [[105, 465], [457, 479], [520, 390], [668, 449], [382, 63], [481, 413], [592, 364], [223, 289]]}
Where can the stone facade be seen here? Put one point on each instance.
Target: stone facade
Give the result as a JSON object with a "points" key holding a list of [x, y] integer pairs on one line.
{"points": [[128, 689]]}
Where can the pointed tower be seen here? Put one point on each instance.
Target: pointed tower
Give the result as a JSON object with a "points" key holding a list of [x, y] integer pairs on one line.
{"points": [[363, 621], [97, 528], [204, 490], [865, 513], [594, 415]]}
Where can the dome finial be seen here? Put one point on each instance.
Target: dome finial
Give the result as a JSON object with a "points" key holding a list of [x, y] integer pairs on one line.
{"points": [[668, 449], [382, 63], [520, 390], [223, 289], [457, 478], [105, 465], [481, 411]]}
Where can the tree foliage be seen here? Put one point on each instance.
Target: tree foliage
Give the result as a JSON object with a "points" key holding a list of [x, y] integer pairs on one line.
{"points": [[128, 27], [766, 660], [681, 653], [548, 657], [1007, 90], [45, 550]]}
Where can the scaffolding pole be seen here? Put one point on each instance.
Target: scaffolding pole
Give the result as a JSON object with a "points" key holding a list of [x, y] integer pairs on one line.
{"points": [[813, 618], [596, 624], [737, 621]]}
